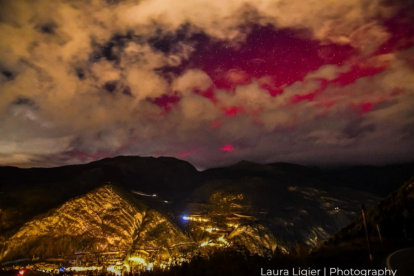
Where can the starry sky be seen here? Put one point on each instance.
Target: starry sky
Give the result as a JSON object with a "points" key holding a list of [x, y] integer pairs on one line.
{"points": [[212, 82]]}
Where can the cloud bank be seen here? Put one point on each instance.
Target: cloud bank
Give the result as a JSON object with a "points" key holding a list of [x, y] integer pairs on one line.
{"points": [[211, 82]]}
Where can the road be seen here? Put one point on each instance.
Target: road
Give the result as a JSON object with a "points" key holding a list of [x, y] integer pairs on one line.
{"points": [[403, 261]]}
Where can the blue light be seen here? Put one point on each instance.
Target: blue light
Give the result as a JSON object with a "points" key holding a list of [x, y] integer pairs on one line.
{"points": [[186, 218], [62, 269]]}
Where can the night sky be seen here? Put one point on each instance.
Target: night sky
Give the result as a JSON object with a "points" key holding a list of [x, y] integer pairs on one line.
{"points": [[212, 82]]}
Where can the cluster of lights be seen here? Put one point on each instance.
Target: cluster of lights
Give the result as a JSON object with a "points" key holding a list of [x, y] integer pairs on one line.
{"points": [[114, 269], [203, 244], [233, 225], [138, 260], [210, 229], [194, 219], [222, 241], [141, 261], [231, 198], [210, 244], [85, 268]]}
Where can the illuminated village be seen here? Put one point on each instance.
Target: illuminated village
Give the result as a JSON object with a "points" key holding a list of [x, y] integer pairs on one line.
{"points": [[136, 260]]}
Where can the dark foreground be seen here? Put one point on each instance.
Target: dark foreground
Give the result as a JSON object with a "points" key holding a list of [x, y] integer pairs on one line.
{"points": [[350, 255]]}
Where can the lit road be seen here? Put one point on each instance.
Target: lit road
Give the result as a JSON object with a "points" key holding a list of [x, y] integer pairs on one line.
{"points": [[403, 261]]}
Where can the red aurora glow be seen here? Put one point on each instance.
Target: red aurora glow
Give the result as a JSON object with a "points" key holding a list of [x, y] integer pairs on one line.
{"points": [[290, 81], [227, 148]]}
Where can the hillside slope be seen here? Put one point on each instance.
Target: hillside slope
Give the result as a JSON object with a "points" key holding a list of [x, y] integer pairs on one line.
{"points": [[261, 214], [102, 220], [394, 216], [25, 193]]}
